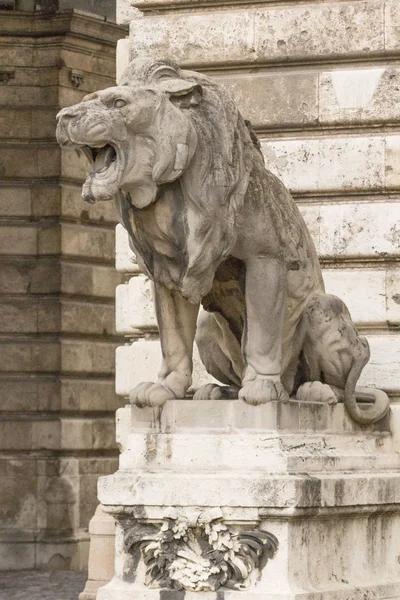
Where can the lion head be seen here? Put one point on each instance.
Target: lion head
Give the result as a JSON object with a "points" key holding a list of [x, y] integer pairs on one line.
{"points": [[159, 126]]}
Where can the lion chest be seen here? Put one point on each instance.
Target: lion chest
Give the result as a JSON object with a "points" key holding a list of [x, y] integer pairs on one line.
{"points": [[158, 237]]}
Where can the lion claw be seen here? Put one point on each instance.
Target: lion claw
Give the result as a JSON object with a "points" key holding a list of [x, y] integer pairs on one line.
{"points": [[316, 391], [150, 394], [261, 391]]}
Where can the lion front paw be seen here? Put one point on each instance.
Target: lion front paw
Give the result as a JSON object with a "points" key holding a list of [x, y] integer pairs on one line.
{"points": [[261, 391], [150, 394], [316, 391]]}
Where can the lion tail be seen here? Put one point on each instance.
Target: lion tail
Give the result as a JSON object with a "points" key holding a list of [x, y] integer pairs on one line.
{"points": [[364, 416]]}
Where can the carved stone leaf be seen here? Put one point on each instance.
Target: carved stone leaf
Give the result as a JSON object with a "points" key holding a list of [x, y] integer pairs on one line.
{"points": [[200, 555]]}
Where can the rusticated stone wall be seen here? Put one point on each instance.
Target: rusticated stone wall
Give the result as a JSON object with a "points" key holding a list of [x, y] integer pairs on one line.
{"points": [[320, 82], [57, 284]]}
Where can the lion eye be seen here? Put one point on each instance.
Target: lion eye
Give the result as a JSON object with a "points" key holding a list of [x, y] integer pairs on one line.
{"points": [[119, 103]]}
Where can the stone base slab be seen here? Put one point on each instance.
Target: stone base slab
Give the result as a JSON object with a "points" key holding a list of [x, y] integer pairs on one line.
{"points": [[325, 487], [117, 590]]}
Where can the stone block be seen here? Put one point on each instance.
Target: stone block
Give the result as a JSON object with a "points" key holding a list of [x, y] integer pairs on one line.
{"points": [[87, 242], [123, 52], [73, 207], [15, 435], [362, 290], [222, 37], [305, 165], [104, 433], [87, 318], [18, 316], [358, 230], [17, 496], [42, 357], [126, 13], [313, 31], [18, 395], [15, 123], [17, 556], [383, 369], [45, 201], [15, 201], [48, 316], [392, 26], [29, 393], [49, 237], [125, 259], [275, 100], [89, 280], [27, 96], [18, 239], [392, 165], [134, 306], [89, 395], [393, 295], [46, 434], [102, 553], [76, 434], [74, 164], [359, 96], [87, 356], [43, 122]]}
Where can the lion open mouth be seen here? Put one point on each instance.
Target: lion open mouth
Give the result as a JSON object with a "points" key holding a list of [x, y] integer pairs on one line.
{"points": [[100, 158], [106, 166]]}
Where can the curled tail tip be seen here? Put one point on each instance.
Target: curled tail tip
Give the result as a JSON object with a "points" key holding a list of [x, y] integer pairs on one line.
{"points": [[369, 415]]}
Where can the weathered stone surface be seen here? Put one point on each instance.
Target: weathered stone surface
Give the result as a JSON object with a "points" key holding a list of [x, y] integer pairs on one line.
{"points": [[44, 296], [358, 230], [273, 100], [89, 395], [87, 356], [392, 26], [305, 165], [87, 242], [270, 34], [89, 279], [125, 259], [320, 30], [134, 306], [219, 37], [359, 96]]}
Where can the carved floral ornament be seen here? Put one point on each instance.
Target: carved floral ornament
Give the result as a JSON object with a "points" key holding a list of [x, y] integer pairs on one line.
{"points": [[200, 552]]}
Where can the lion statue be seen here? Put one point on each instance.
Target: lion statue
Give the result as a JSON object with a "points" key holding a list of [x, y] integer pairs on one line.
{"points": [[210, 225]]}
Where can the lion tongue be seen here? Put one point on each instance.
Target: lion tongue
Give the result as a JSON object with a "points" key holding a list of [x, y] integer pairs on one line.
{"points": [[104, 158]]}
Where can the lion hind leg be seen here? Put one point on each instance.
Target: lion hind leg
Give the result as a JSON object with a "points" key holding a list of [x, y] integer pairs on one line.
{"points": [[336, 355]]}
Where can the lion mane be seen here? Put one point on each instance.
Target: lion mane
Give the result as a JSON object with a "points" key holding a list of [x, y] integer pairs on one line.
{"points": [[210, 191]]}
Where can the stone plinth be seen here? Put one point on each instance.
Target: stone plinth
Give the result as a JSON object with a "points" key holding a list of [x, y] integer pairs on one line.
{"points": [[326, 488]]}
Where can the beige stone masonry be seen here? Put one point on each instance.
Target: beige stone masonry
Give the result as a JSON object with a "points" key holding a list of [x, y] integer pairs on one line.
{"points": [[57, 283], [306, 32]]}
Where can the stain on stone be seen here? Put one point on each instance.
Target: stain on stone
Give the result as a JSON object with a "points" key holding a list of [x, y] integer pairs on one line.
{"points": [[310, 492], [151, 447], [396, 298], [172, 594]]}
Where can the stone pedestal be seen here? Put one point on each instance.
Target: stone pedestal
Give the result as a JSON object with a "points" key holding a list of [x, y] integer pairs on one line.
{"points": [[326, 490], [102, 553]]}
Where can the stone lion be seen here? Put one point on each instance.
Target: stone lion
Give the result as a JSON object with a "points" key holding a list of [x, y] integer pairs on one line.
{"points": [[210, 225]]}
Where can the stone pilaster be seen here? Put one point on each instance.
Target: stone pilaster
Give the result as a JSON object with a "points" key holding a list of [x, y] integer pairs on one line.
{"points": [[57, 282]]}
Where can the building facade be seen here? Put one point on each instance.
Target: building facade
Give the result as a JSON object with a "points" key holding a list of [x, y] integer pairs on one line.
{"points": [[57, 283]]}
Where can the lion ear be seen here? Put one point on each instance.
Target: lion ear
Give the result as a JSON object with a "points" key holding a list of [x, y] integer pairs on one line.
{"points": [[182, 93]]}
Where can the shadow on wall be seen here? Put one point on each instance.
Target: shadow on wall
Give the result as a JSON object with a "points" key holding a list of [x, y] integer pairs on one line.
{"points": [[104, 8]]}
